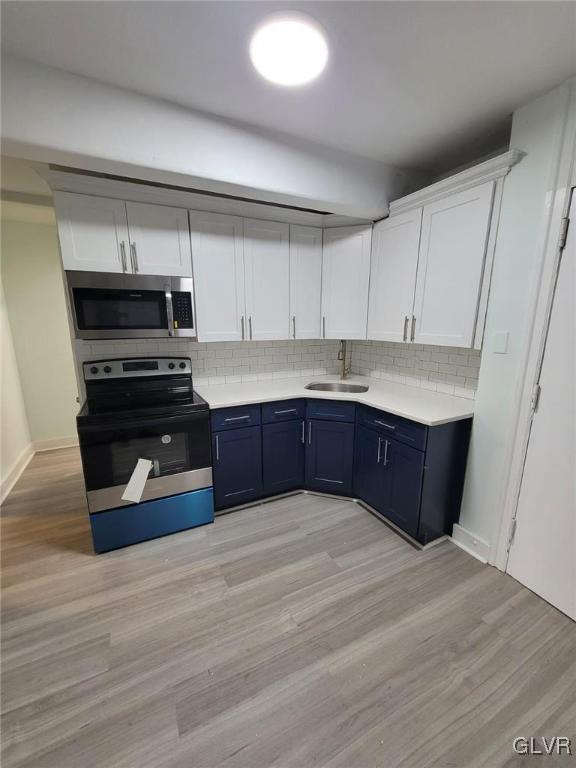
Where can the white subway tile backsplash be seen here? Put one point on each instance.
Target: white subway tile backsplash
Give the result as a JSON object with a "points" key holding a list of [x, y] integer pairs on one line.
{"points": [[440, 369]]}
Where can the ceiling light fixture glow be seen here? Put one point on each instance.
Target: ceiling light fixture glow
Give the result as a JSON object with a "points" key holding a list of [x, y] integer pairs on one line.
{"points": [[289, 49]]}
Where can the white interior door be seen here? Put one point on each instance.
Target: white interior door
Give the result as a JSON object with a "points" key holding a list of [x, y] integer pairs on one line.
{"points": [[159, 240], [345, 280], [305, 281], [267, 275], [543, 552], [450, 266], [393, 268], [218, 260], [93, 232]]}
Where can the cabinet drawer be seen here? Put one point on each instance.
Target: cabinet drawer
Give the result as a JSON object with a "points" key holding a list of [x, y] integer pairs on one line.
{"points": [[283, 410], [405, 431], [232, 418], [330, 410]]}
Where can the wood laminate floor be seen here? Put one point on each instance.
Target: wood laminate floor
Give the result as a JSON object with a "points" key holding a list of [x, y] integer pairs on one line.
{"points": [[294, 634]]}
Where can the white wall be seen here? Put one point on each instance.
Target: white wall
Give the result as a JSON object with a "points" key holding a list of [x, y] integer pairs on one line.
{"points": [[35, 303], [53, 116], [524, 231], [15, 445]]}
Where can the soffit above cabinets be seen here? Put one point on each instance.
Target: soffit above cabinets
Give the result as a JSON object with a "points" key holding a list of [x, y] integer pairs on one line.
{"points": [[70, 180], [490, 170]]}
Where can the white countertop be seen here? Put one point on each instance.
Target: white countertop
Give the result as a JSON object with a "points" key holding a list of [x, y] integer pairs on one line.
{"points": [[431, 408]]}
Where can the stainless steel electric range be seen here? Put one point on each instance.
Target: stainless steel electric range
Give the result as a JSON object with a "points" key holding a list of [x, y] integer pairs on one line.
{"points": [[144, 409]]}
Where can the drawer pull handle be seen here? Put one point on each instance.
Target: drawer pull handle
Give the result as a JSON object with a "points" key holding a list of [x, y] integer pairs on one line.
{"points": [[383, 424], [286, 410], [331, 415], [237, 418]]}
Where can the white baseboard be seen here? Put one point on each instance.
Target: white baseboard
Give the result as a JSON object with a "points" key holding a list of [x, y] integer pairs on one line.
{"points": [[55, 443], [471, 543], [23, 460], [13, 475]]}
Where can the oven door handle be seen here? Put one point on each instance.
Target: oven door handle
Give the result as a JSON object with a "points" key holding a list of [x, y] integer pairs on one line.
{"points": [[117, 425], [169, 309]]}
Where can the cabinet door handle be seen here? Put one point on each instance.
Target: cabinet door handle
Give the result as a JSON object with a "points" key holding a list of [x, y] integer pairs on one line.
{"points": [[309, 433], [286, 410], [412, 332], [323, 327], [237, 418], [385, 453], [217, 447], [303, 437], [383, 424], [294, 326], [250, 326], [134, 258], [378, 458], [242, 321], [405, 334], [123, 255]]}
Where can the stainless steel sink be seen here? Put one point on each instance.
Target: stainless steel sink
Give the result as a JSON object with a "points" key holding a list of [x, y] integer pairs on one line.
{"points": [[336, 386]]}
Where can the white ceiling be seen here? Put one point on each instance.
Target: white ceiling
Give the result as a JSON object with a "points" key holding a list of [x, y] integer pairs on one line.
{"points": [[417, 84]]}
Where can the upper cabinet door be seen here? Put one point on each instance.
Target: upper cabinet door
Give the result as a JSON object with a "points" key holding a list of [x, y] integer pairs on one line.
{"points": [[159, 240], [267, 274], [395, 244], [345, 279], [450, 266], [305, 282], [93, 233], [218, 259]]}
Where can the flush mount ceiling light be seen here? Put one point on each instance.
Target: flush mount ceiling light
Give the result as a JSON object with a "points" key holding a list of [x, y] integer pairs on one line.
{"points": [[289, 49]]}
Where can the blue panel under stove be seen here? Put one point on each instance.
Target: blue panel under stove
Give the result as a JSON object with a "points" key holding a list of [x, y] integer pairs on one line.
{"points": [[120, 527]]}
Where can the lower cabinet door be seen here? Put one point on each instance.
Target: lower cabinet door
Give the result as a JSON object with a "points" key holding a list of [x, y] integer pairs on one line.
{"points": [[283, 456], [237, 466], [403, 474], [369, 474], [329, 456]]}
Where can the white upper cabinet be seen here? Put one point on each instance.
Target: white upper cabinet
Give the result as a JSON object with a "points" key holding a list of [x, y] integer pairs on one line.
{"points": [[101, 234], [93, 232], [450, 266], [345, 279], [305, 282], [218, 260], [394, 263], [159, 240], [267, 278]]}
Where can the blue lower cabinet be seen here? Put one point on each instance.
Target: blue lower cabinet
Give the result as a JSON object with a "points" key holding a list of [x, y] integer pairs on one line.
{"points": [[329, 456], [237, 466], [403, 472], [139, 522], [369, 475], [283, 456]]}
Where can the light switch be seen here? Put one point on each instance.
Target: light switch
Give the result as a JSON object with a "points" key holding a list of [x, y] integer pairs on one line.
{"points": [[500, 343]]}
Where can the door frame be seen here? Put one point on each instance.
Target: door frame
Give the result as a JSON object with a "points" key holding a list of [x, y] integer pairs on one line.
{"points": [[540, 312]]}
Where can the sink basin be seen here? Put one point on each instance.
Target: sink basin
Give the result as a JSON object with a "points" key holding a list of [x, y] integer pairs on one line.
{"points": [[336, 386]]}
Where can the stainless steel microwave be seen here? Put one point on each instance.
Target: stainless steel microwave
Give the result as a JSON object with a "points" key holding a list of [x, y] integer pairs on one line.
{"points": [[119, 306]]}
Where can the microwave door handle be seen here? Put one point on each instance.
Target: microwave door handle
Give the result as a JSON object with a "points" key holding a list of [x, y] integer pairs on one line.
{"points": [[169, 310]]}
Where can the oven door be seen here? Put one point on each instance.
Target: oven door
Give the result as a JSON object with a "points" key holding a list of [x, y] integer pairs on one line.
{"points": [[178, 447], [120, 306]]}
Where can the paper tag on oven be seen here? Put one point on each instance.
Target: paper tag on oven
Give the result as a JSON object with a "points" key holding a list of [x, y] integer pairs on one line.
{"points": [[135, 488]]}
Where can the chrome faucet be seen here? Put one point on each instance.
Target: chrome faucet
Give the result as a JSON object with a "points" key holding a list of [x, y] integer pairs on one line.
{"points": [[344, 371]]}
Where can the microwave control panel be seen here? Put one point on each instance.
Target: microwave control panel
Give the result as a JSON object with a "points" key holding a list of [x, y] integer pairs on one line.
{"points": [[182, 309]]}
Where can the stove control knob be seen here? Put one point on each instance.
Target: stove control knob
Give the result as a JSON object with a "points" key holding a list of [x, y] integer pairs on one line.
{"points": [[182, 365], [107, 369], [93, 369], [171, 366]]}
